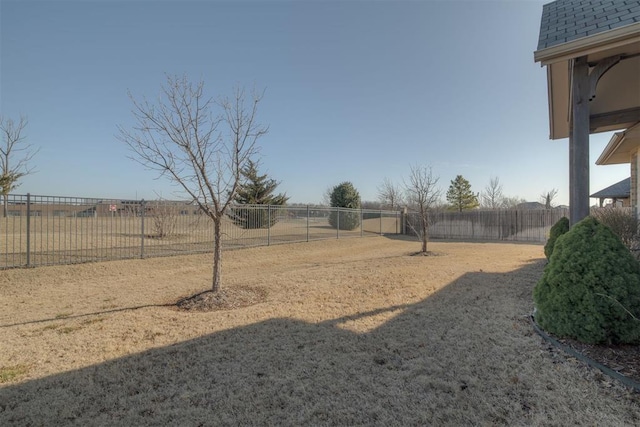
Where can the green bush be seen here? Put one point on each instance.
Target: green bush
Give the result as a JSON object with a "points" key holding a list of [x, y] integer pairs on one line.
{"points": [[345, 220], [345, 195], [253, 217], [558, 229], [590, 290]]}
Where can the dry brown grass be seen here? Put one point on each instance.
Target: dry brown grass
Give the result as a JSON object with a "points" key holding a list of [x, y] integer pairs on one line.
{"points": [[351, 332]]}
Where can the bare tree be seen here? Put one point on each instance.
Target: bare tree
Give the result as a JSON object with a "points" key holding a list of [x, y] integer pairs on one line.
{"points": [[492, 196], [180, 137], [547, 198], [389, 194], [15, 155], [512, 202], [326, 196], [422, 195]]}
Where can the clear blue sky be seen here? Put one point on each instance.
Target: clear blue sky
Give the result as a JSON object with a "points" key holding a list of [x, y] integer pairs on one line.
{"points": [[355, 90]]}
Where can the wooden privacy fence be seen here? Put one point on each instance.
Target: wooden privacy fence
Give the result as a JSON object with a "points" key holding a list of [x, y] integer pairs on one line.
{"points": [[531, 225]]}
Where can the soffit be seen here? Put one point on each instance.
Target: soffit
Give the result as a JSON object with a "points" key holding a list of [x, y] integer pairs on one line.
{"points": [[597, 30], [620, 147]]}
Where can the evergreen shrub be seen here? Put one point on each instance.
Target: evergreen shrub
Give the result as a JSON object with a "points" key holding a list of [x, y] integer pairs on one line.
{"points": [[345, 195], [253, 217], [254, 196], [590, 290], [558, 229]]}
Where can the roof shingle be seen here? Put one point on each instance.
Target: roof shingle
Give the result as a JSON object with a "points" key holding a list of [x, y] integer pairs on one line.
{"points": [[619, 190], [567, 20]]}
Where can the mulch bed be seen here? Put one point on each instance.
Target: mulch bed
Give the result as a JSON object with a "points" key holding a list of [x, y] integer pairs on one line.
{"points": [[624, 359], [225, 299]]}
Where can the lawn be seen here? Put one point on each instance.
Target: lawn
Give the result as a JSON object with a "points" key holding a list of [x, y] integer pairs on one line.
{"points": [[349, 332]]}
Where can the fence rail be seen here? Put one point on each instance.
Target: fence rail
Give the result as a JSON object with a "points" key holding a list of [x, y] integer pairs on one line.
{"points": [[48, 230]]}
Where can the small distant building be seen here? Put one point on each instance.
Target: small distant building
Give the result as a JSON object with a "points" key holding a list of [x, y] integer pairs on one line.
{"points": [[619, 193], [530, 206]]}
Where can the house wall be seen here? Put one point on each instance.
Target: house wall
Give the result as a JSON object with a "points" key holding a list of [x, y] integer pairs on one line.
{"points": [[607, 201]]}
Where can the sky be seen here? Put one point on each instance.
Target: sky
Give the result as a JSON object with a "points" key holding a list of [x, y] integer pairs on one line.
{"points": [[355, 91]]}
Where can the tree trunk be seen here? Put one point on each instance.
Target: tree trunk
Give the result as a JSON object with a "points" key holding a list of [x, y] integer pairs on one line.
{"points": [[5, 203], [425, 236], [217, 255]]}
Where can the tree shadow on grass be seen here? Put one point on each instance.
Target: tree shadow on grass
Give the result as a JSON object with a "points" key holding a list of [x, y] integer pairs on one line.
{"points": [[464, 356], [82, 315]]}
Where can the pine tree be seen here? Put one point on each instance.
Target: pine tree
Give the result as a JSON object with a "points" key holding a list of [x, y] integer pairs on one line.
{"points": [[345, 195], [460, 195], [256, 189]]}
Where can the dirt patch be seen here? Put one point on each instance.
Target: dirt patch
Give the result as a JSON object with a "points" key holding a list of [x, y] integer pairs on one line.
{"points": [[225, 299], [350, 332], [427, 253]]}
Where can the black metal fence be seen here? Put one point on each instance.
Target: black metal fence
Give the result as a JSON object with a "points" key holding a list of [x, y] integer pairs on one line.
{"points": [[48, 230]]}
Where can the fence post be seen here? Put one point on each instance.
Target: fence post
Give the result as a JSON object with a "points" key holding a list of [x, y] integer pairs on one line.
{"points": [[361, 223], [142, 209], [403, 220], [473, 228], [381, 222], [28, 229], [308, 213], [337, 223], [268, 225]]}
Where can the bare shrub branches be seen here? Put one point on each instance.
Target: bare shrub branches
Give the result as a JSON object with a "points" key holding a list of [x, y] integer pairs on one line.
{"points": [[622, 221], [390, 195], [164, 217]]}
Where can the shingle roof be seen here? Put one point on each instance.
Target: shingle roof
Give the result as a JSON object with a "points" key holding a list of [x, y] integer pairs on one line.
{"points": [[619, 190], [530, 205], [567, 20]]}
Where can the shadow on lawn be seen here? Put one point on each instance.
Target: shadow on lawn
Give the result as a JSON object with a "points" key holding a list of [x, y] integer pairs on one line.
{"points": [[78, 316], [449, 359]]}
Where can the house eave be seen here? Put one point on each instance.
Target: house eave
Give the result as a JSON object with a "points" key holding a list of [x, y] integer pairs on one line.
{"points": [[618, 150], [589, 45], [622, 42], [611, 148]]}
